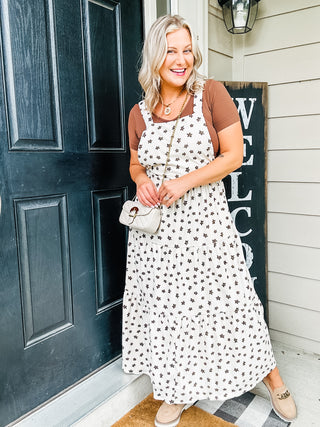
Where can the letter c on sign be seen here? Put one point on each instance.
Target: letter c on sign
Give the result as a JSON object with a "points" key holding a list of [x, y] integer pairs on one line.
{"points": [[234, 217]]}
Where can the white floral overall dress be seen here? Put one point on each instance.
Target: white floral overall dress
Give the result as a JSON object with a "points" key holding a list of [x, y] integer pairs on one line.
{"points": [[192, 320]]}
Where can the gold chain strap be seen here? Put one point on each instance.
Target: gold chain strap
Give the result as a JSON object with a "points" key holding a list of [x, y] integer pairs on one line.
{"points": [[172, 136]]}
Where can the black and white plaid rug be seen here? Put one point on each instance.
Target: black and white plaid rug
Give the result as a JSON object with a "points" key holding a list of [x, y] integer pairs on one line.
{"points": [[247, 410]]}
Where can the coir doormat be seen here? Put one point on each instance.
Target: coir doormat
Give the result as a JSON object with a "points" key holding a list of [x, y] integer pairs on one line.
{"points": [[144, 413]]}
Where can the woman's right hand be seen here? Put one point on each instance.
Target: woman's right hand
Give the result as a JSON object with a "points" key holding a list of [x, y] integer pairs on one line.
{"points": [[147, 193]]}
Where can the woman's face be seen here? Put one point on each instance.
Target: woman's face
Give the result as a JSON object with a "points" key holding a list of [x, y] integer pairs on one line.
{"points": [[178, 64]]}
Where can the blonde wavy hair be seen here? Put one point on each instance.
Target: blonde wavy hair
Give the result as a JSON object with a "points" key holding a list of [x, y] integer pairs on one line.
{"points": [[154, 53]]}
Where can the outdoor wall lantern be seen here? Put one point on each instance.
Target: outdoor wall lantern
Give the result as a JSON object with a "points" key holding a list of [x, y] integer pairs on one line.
{"points": [[239, 15]]}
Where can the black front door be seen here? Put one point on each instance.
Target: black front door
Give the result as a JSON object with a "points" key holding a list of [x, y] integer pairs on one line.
{"points": [[68, 79]]}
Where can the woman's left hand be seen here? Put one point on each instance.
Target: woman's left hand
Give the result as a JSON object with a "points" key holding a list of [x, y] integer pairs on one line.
{"points": [[172, 190]]}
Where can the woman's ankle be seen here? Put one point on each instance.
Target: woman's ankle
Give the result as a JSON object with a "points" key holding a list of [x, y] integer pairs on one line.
{"points": [[274, 379]]}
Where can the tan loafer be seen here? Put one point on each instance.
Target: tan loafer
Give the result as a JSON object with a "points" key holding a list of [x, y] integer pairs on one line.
{"points": [[282, 402], [169, 415]]}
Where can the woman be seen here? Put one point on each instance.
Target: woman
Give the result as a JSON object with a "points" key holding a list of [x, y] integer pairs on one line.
{"points": [[191, 318]]}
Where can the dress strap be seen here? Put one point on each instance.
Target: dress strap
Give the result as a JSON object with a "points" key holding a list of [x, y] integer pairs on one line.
{"points": [[145, 113], [197, 103]]}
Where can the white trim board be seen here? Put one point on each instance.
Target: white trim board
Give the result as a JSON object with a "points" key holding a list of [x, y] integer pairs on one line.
{"points": [[88, 396]]}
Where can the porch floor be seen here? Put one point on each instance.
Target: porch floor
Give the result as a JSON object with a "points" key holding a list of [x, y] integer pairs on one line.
{"points": [[301, 373], [109, 394]]}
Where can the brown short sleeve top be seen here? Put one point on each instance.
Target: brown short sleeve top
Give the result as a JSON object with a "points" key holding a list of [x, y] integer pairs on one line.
{"points": [[218, 110]]}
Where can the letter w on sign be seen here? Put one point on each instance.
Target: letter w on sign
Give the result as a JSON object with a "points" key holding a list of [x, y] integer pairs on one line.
{"points": [[243, 112]]}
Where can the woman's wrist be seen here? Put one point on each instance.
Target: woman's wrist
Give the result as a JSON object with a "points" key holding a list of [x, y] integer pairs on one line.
{"points": [[142, 178], [186, 182]]}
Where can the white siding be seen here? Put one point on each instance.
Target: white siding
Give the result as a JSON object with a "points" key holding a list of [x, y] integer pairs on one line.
{"points": [[280, 290], [294, 260], [295, 133], [298, 230], [220, 49], [295, 320], [299, 61], [218, 64], [294, 99], [287, 30], [284, 50], [275, 7], [294, 165]]}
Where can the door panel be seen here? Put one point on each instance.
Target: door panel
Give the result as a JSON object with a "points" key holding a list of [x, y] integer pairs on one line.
{"points": [[42, 234], [32, 91], [106, 208], [104, 75], [68, 81]]}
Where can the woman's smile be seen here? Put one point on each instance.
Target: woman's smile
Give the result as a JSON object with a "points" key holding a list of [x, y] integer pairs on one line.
{"points": [[180, 72]]}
